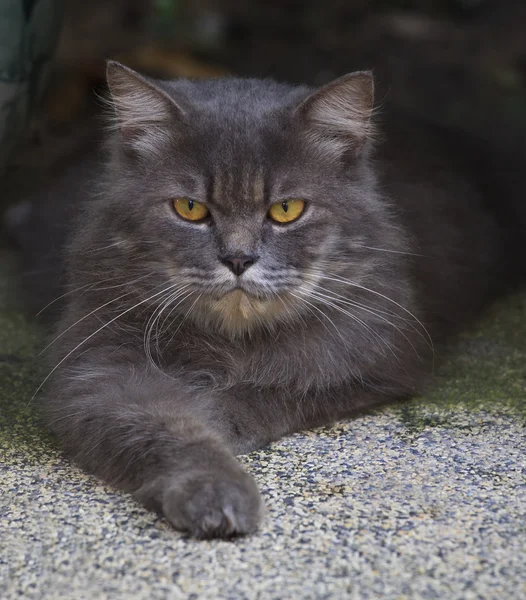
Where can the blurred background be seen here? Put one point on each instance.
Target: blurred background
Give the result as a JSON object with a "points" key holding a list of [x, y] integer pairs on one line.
{"points": [[459, 62]]}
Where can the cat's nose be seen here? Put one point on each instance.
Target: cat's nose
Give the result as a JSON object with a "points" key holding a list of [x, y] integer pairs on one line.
{"points": [[240, 263]]}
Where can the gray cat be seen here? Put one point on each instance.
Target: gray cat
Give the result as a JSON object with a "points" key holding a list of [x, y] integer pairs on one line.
{"points": [[249, 264]]}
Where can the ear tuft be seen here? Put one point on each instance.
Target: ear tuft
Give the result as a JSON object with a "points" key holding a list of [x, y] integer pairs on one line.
{"points": [[142, 109], [338, 115]]}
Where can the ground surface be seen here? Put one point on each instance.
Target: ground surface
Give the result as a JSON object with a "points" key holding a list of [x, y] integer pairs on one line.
{"points": [[425, 499]]}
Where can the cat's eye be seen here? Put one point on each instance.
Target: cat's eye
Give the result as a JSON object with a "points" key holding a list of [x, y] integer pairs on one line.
{"points": [[286, 211], [190, 210]]}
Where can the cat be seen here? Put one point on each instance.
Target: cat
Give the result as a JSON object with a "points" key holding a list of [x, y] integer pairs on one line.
{"points": [[254, 259]]}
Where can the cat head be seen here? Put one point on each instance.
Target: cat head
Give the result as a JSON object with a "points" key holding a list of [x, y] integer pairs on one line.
{"points": [[237, 195]]}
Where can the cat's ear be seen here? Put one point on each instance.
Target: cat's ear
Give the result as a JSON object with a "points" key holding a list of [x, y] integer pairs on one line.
{"points": [[338, 115], [143, 111]]}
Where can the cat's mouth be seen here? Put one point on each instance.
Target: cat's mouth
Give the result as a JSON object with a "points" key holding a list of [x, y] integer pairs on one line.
{"points": [[240, 289], [239, 311], [250, 291]]}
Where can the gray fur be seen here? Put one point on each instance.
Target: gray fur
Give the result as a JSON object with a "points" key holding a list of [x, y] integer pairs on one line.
{"points": [[166, 365]]}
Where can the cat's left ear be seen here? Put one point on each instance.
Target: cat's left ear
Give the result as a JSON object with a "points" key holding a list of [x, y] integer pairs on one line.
{"points": [[338, 115], [143, 110]]}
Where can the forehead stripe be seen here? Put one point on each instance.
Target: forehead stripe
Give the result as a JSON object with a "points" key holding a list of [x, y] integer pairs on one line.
{"points": [[259, 186]]}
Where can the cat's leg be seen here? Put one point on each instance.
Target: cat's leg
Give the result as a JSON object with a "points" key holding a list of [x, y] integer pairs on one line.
{"points": [[255, 417], [151, 436]]}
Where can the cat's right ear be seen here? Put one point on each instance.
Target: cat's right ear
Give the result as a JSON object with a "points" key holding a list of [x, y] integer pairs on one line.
{"points": [[143, 111]]}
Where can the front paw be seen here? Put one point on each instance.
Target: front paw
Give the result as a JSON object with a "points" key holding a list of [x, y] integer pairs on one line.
{"points": [[215, 506]]}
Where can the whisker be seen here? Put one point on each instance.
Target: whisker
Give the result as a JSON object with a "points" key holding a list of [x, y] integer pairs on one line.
{"points": [[316, 308], [361, 307], [341, 279], [147, 330], [101, 248], [367, 327], [375, 312], [185, 316], [82, 319], [154, 319], [394, 251], [173, 308], [95, 333], [116, 244], [133, 281], [82, 287], [90, 286], [93, 312], [291, 306], [310, 308], [374, 309]]}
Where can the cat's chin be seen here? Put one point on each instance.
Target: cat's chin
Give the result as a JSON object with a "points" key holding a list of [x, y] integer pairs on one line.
{"points": [[239, 312]]}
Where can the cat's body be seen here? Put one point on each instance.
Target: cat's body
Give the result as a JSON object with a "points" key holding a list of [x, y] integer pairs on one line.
{"points": [[185, 342]]}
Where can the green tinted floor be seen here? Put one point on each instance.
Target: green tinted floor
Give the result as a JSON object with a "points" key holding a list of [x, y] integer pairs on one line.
{"points": [[425, 499]]}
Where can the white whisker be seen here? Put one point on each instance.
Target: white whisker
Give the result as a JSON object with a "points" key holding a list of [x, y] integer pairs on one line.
{"points": [[82, 287], [97, 331], [367, 327], [94, 311], [154, 320], [185, 316], [394, 251], [360, 306], [316, 308], [341, 279]]}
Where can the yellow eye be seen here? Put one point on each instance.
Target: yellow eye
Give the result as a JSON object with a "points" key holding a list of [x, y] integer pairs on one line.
{"points": [[190, 209], [286, 211]]}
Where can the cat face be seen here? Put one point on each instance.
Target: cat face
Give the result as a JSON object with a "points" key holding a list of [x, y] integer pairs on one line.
{"points": [[240, 193]]}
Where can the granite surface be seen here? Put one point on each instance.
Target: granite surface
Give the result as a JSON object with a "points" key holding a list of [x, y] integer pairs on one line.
{"points": [[425, 499]]}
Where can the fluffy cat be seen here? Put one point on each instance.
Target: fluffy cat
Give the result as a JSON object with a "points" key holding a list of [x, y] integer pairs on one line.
{"points": [[249, 264]]}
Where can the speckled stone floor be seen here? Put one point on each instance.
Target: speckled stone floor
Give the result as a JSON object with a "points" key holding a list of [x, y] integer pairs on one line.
{"points": [[425, 499]]}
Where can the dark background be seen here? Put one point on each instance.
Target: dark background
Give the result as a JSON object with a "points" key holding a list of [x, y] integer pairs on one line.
{"points": [[460, 62]]}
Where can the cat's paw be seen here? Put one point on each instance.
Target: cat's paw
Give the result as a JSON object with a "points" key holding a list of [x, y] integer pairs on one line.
{"points": [[211, 506]]}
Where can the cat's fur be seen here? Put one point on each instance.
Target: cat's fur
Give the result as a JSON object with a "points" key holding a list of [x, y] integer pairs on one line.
{"points": [[166, 364]]}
